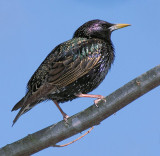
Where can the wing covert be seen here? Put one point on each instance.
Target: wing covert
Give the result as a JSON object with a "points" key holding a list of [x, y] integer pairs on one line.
{"points": [[67, 62]]}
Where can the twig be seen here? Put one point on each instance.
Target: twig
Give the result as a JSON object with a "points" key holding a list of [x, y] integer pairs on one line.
{"points": [[75, 139]]}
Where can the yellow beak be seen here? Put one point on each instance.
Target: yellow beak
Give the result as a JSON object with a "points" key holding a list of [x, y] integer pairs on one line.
{"points": [[118, 26]]}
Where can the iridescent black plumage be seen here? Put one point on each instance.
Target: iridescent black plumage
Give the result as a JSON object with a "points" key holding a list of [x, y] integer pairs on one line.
{"points": [[72, 68]]}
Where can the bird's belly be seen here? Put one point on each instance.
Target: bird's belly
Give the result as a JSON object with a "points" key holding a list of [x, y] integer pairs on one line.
{"points": [[84, 85]]}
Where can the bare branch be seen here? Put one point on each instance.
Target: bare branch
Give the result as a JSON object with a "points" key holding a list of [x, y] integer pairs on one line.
{"points": [[89, 117]]}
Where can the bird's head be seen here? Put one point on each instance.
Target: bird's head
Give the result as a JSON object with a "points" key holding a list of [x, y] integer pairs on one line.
{"points": [[97, 29]]}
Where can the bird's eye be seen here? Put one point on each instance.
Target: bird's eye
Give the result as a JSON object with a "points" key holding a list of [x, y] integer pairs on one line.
{"points": [[104, 26]]}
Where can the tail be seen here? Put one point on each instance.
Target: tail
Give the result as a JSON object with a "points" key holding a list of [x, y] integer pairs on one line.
{"points": [[18, 105], [25, 106], [31, 99], [24, 109]]}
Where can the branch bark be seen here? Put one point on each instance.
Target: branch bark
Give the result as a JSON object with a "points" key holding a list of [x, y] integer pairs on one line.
{"points": [[89, 117]]}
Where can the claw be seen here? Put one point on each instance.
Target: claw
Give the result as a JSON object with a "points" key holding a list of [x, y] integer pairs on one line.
{"points": [[99, 99], [65, 118]]}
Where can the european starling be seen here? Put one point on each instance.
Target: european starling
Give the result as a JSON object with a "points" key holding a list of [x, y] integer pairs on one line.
{"points": [[73, 68]]}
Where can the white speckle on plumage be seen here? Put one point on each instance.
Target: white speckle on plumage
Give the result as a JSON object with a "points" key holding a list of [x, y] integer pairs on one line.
{"points": [[59, 82]]}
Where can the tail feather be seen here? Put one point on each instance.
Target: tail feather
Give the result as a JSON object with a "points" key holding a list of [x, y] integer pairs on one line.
{"points": [[24, 109], [18, 105], [30, 100], [26, 103]]}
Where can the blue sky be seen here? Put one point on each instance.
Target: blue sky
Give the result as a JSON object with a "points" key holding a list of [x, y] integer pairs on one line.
{"points": [[29, 30]]}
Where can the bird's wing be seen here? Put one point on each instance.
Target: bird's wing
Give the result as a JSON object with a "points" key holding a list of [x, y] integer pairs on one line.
{"points": [[66, 63]]}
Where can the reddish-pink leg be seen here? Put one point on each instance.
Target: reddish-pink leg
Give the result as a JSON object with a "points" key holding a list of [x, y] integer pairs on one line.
{"points": [[65, 116], [99, 97]]}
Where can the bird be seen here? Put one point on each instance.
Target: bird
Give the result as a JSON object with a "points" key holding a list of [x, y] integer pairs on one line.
{"points": [[73, 68]]}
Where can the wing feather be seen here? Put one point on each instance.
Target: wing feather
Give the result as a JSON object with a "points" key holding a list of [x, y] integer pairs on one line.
{"points": [[66, 63]]}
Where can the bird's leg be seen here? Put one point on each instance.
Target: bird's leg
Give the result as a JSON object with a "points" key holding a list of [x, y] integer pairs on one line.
{"points": [[99, 97], [65, 116]]}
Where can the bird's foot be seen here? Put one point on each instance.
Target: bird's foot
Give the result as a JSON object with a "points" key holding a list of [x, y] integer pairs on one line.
{"points": [[65, 117], [99, 99]]}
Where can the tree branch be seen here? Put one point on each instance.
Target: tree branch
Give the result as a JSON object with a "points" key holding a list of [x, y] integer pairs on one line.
{"points": [[91, 116]]}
